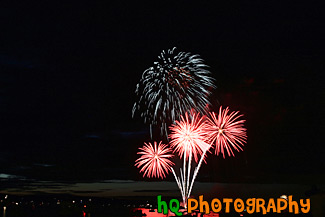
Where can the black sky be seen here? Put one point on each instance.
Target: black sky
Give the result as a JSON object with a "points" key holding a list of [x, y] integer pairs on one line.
{"points": [[68, 74]]}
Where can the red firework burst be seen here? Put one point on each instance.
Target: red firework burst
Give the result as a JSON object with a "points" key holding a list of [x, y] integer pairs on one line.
{"points": [[154, 160], [189, 136], [227, 132]]}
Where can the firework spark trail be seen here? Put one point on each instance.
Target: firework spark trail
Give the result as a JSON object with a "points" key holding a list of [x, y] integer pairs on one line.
{"points": [[184, 175], [196, 170], [177, 181], [154, 160], [175, 84], [226, 131], [188, 173]]}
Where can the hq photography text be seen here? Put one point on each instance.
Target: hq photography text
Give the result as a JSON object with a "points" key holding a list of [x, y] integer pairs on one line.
{"points": [[250, 205]]}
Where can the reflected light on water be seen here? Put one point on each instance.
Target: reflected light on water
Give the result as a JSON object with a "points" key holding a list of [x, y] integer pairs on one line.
{"points": [[4, 211], [149, 213], [154, 213]]}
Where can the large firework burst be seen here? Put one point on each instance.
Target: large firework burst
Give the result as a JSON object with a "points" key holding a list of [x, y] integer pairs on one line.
{"points": [[227, 131], [188, 136], [177, 82], [154, 160]]}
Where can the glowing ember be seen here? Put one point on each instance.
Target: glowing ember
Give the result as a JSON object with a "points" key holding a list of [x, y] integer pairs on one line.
{"points": [[226, 131], [154, 160]]}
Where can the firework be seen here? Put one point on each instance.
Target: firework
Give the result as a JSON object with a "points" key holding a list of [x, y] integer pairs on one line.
{"points": [[227, 131], [188, 137], [154, 160], [177, 82]]}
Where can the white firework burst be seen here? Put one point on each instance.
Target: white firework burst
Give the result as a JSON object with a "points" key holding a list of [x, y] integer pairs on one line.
{"points": [[177, 83]]}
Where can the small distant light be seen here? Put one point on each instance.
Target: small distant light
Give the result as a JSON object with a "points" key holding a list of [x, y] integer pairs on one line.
{"points": [[17, 204], [73, 201], [6, 196], [284, 197], [85, 206], [90, 200]]}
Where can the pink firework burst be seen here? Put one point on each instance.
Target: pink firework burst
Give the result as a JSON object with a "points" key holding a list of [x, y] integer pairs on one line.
{"points": [[154, 160], [188, 136], [227, 131]]}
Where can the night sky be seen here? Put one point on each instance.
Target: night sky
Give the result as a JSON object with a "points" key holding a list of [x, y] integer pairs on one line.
{"points": [[68, 74]]}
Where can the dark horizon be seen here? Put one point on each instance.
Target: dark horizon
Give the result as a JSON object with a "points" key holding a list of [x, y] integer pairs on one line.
{"points": [[68, 75]]}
